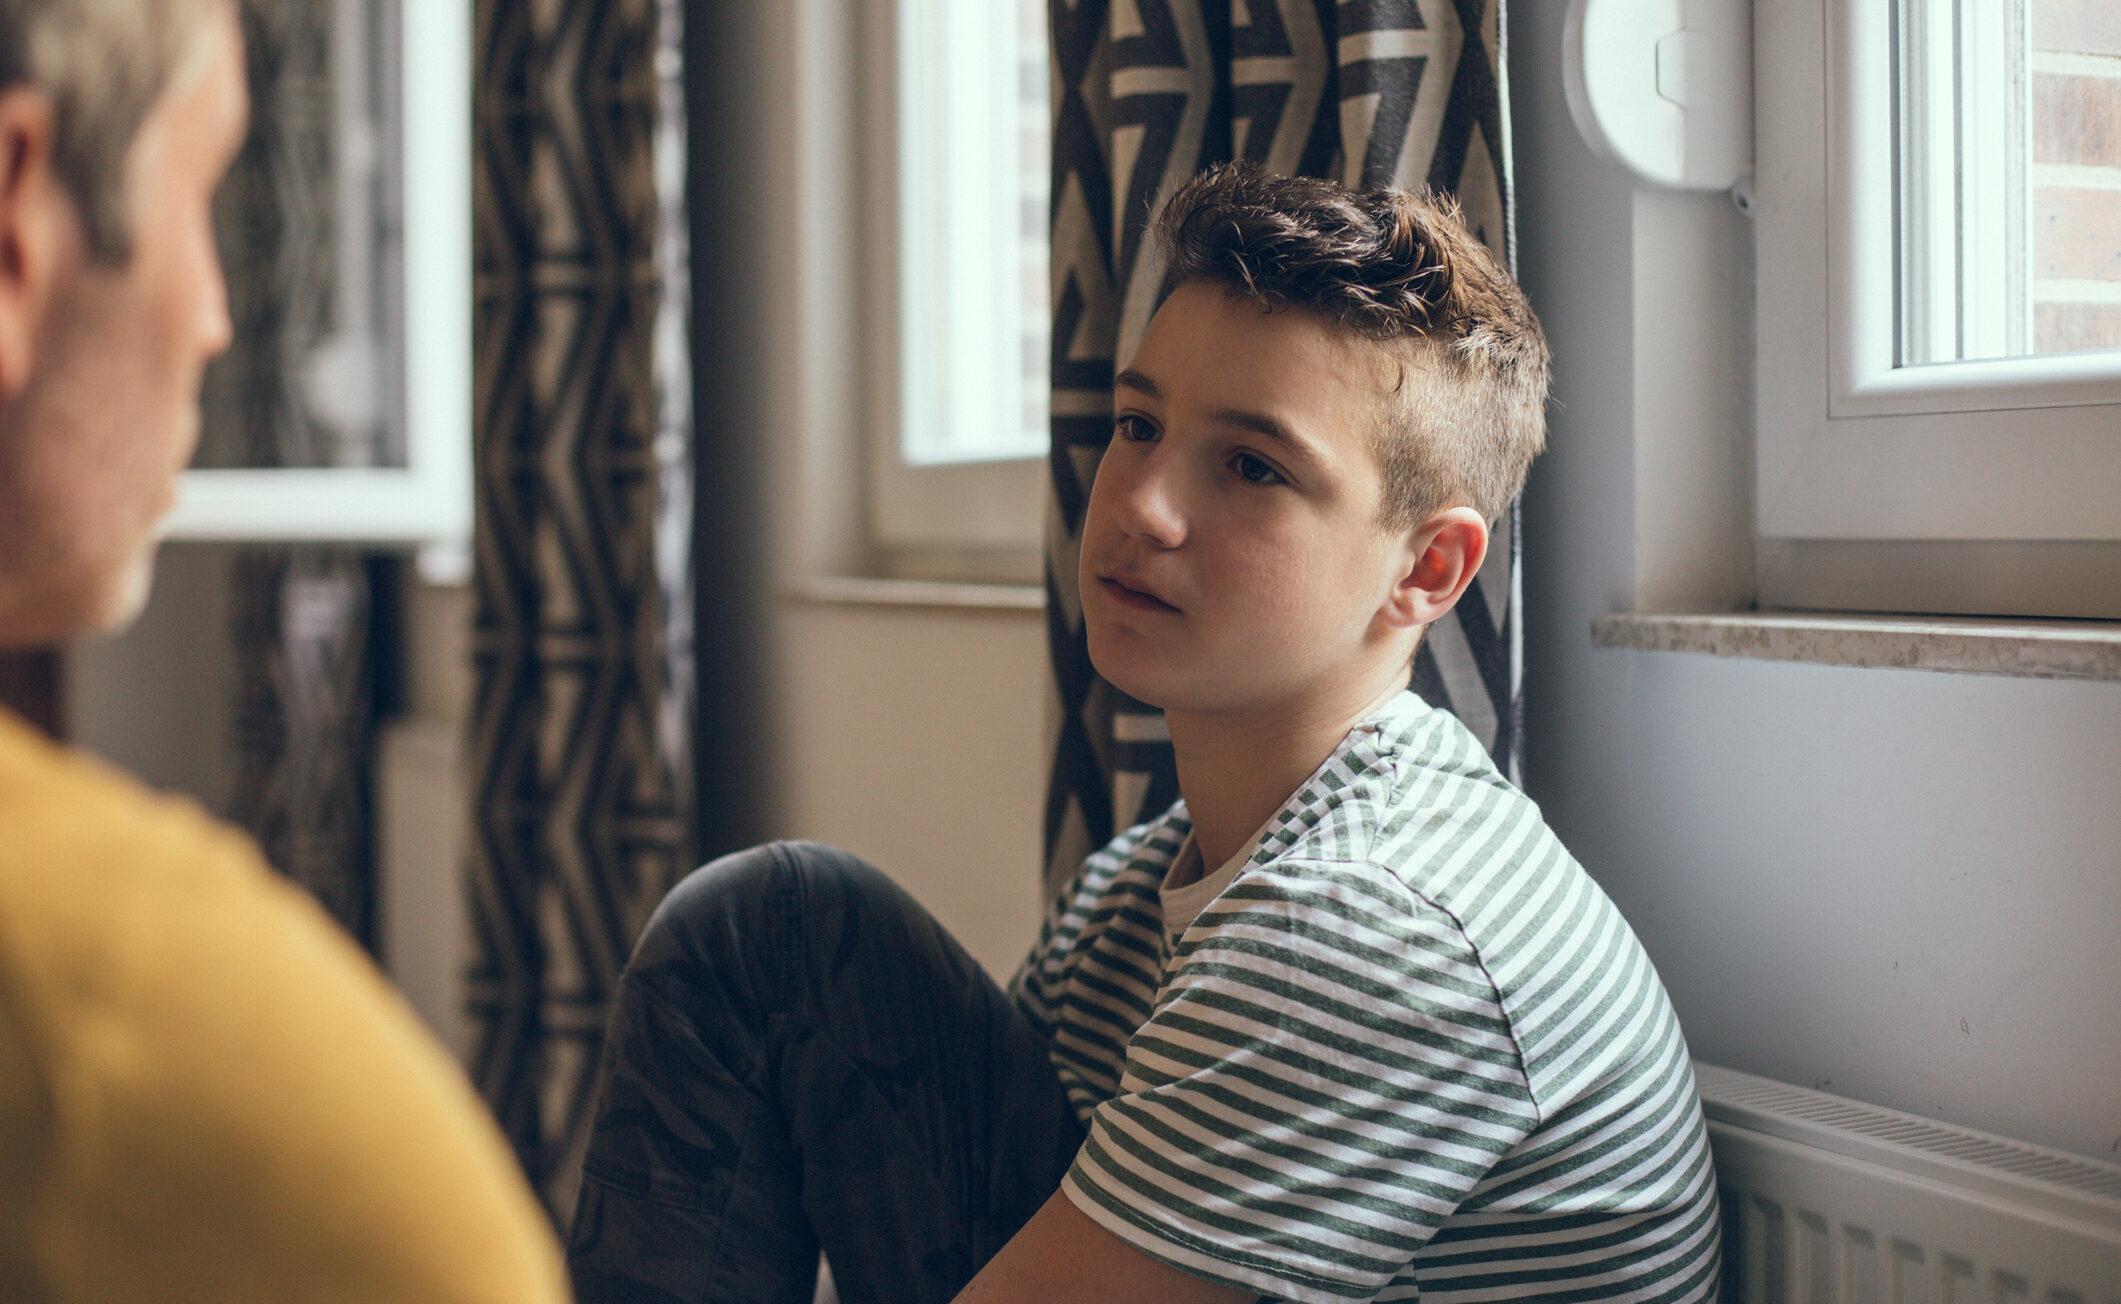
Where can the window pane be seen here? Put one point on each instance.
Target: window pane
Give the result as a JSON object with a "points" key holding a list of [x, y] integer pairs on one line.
{"points": [[2008, 147], [2076, 175], [973, 198], [308, 225]]}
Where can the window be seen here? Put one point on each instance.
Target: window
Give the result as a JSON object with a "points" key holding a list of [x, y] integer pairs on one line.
{"points": [[958, 431], [354, 368], [972, 201], [1960, 181], [2009, 212], [1942, 194]]}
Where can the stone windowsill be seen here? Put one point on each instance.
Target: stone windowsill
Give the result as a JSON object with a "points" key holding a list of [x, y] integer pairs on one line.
{"points": [[2039, 649], [867, 591]]}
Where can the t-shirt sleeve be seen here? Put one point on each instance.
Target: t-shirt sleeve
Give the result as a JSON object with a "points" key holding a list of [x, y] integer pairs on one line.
{"points": [[1028, 987], [1327, 1073], [1042, 972]]}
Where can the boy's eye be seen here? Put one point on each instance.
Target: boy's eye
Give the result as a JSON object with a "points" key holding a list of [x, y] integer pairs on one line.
{"points": [[1255, 469], [1131, 427]]}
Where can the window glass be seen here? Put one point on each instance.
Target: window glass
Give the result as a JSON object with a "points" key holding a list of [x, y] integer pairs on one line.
{"points": [[2008, 178], [973, 202], [310, 228]]}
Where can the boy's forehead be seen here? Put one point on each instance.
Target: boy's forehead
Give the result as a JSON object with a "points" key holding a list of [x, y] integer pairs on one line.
{"points": [[1209, 337]]}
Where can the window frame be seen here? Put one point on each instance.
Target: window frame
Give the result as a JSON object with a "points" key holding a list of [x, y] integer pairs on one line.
{"points": [[979, 519], [1990, 487]]}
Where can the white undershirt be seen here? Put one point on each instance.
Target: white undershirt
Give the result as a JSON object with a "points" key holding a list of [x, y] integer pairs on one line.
{"points": [[1187, 891]]}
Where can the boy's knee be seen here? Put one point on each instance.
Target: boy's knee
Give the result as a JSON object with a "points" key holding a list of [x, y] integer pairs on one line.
{"points": [[752, 897]]}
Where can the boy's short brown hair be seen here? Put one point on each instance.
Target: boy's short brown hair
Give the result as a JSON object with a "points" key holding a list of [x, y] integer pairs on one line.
{"points": [[1393, 266]]}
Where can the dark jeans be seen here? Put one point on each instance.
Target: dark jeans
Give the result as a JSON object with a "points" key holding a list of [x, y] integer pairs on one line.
{"points": [[801, 1057]]}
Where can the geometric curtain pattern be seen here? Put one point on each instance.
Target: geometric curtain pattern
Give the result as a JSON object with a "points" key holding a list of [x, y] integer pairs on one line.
{"points": [[1148, 93], [581, 784], [312, 630], [301, 270]]}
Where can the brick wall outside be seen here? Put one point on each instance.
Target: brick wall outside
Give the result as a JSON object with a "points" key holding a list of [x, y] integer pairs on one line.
{"points": [[2076, 190]]}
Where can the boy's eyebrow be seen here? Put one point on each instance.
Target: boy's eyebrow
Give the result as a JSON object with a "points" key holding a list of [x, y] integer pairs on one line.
{"points": [[1256, 422], [1261, 424], [1134, 380]]}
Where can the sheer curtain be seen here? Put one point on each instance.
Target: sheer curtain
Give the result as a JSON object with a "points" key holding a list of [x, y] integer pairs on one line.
{"points": [[1370, 92]]}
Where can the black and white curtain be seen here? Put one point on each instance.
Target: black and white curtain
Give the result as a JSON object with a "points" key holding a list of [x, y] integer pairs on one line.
{"points": [[582, 785], [580, 747], [311, 624], [1149, 92]]}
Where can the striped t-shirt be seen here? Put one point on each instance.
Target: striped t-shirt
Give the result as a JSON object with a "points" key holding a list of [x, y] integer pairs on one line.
{"points": [[1412, 1051]]}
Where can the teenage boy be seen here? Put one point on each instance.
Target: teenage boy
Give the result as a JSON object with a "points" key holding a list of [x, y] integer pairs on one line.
{"points": [[207, 1094], [1345, 1023]]}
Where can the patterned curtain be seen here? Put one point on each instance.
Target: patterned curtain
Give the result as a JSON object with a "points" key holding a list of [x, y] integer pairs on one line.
{"points": [[582, 786], [313, 636], [1149, 92], [307, 282]]}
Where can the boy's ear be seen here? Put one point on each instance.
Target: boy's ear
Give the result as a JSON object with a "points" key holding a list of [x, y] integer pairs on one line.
{"points": [[33, 208], [1443, 554]]}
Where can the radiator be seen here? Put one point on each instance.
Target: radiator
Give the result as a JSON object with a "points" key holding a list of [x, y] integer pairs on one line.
{"points": [[1827, 1201]]}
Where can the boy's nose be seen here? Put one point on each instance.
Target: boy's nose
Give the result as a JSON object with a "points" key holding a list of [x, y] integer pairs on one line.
{"points": [[1151, 504]]}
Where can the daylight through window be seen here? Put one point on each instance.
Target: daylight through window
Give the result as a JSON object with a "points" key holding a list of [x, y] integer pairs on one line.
{"points": [[2008, 178], [973, 196]]}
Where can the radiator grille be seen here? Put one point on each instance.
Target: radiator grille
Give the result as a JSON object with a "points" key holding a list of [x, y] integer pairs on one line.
{"points": [[1828, 1201]]}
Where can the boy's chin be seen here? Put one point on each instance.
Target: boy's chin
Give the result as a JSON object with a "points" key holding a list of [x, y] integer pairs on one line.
{"points": [[1173, 692], [1135, 681], [1139, 690]]}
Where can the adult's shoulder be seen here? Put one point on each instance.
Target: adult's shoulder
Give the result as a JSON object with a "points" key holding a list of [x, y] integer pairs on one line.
{"points": [[103, 880], [69, 820], [238, 1104]]}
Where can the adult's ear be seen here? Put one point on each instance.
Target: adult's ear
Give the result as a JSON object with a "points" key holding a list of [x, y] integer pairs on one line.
{"points": [[33, 210], [1443, 555]]}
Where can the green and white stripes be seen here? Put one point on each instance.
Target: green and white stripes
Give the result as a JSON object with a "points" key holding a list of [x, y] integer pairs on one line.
{"points": [[1411, 1052]]}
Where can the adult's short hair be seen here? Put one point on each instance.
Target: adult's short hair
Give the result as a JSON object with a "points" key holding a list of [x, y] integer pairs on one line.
{"points": [[1394, 266], [104, 63]]}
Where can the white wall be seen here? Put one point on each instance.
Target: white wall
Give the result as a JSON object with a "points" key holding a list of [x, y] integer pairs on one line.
{"points": [[160, 698], [914, 737], [1898, 886]]}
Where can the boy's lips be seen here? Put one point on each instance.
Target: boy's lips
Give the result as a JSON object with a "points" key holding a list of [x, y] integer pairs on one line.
{"points": [[1131, 591]]}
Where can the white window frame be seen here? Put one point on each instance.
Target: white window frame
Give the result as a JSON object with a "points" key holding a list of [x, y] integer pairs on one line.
{"points": [[977, 519], [1991, 487], [429, 500]]}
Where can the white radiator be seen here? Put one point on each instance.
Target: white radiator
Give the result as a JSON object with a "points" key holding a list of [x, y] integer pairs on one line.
{"points": [[1827, 1201]]}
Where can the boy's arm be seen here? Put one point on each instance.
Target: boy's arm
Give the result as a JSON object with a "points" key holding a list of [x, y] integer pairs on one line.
{"points": [[1062, 1256]]}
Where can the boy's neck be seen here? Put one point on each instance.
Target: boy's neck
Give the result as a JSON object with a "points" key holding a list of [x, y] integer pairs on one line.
{"points": [[1236, 771]]}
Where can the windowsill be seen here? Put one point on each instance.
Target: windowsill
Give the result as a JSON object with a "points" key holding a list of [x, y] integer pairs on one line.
{"points": [[2035, 649], [864, 591]]}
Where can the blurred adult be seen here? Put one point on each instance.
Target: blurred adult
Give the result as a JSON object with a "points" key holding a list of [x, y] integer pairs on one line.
{"points": [[206, 1091]]}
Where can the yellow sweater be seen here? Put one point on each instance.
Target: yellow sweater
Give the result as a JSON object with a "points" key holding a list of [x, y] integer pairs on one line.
{"points": [[206, 1092]]}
